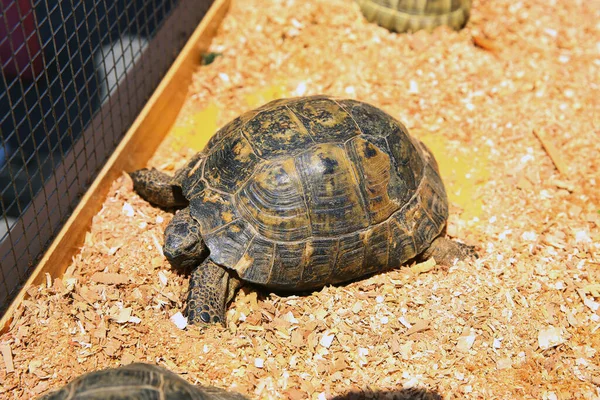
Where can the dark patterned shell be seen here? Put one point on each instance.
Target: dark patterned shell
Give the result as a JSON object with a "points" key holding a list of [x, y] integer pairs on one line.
{"points": [[311, 191], [412, 15], [137, 381]]}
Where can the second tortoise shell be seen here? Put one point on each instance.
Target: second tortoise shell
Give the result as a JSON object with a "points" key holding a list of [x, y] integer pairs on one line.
{"points": [[412, 15], [305, 192]]}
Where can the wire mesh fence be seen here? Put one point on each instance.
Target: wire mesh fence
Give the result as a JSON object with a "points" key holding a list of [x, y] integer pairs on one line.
{"points": [[75, 73]]}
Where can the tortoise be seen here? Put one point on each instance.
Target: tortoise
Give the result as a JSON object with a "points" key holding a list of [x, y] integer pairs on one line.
{"points": [[298, 194], [413, 15], [137, 381]]}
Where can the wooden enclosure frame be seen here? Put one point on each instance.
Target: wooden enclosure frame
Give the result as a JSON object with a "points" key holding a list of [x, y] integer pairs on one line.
{"points": [[133, 152]]}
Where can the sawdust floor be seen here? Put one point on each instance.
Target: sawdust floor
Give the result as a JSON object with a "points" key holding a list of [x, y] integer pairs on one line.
{"points": [[509, 106]]}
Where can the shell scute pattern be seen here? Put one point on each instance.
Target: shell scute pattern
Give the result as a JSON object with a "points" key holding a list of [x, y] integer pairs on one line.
{"points": [[351, 258], [274, 202], [333, 197], [229, 244], [213, 209], [309, 191], [407, 166], [276, 132], [289, 262], [325, 119], [256, 264], [433, 198], [377, 248], [371, 120], [373, 165], [322, 255], [235, 152], [403, 244]]}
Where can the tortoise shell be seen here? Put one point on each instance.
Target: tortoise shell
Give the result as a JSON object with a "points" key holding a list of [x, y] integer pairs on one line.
{"points": [[137, 381], [305, 192], [412, 15]]}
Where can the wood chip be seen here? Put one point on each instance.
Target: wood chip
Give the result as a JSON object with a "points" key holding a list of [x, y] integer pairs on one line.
{"points": [[504, 363], [7, 357], [123, 315], [109, 278], [465, 343], [423, 267], [419, 326], [552, 151], [179, 320], [326, 340], [485, 43], [550, 337], [296, 394]]}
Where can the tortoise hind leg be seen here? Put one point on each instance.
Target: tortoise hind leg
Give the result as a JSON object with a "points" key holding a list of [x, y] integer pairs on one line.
{"points": [[211, 288], [446, 251], [157, 188]]}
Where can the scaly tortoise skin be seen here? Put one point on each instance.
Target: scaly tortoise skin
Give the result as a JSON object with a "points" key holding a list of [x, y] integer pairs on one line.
{"points": [[413, 15], [137, 382], [298, 194]]}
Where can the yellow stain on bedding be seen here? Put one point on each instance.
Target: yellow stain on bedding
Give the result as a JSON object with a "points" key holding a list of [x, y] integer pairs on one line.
{"points": [[195, 129], [462, 169], [264, 95]]}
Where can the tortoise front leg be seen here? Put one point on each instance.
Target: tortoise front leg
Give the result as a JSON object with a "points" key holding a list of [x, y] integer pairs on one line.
{"points": [[445, 251], [211, 288], [157, 188]]}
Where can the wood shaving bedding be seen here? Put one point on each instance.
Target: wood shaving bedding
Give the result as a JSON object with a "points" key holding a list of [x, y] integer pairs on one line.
{"points": [[523, 321]]}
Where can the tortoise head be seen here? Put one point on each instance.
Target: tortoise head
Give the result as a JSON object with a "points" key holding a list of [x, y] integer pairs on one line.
{"points": [[183, 245]]}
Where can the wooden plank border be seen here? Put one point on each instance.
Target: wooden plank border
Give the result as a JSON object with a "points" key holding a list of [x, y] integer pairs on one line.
{"points": [[137, 146]]}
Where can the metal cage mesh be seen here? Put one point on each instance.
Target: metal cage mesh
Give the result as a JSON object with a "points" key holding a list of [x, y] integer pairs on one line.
{"points": [[75, 73]]}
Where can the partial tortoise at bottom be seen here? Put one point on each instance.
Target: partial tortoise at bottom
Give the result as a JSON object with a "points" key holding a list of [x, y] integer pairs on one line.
{"points": [[142, 381], [299, 194], [137, 381], [413, 15]]}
